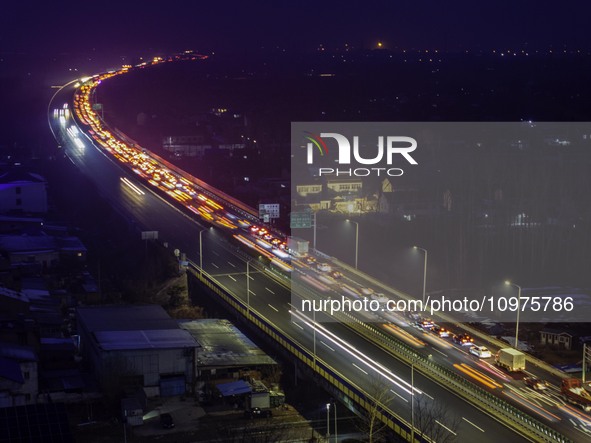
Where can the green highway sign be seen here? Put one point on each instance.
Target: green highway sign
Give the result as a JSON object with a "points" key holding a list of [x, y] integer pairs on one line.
{"points": [[300, 219]]}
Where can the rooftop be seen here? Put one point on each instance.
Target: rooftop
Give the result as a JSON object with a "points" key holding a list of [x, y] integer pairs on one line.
{"points": [[150, 339], [125, 318], [220, 343]]}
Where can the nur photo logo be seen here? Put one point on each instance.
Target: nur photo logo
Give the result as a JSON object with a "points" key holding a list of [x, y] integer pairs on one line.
{"points": [[387, 150]]}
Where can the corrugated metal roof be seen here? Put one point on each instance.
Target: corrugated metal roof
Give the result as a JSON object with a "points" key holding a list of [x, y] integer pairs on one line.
{"points": [[149, 339], [223, 344], [125, 318], [17, 352]]}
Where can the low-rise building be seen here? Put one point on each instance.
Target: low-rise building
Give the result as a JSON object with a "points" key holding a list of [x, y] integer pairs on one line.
{"points": [[18, 375], [557, 338], [138, 346], [22, 192]]}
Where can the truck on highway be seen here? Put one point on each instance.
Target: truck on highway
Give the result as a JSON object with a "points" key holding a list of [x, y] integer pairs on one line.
{"points": [[297, 246], [510, 359], [572, 391]]}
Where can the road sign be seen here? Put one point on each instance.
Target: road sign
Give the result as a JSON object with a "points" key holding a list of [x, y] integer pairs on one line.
{"points": [[271, 210], [301, 219], [149, 235]]}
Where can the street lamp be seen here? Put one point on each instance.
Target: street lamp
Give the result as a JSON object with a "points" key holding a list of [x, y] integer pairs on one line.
{"points": [[314, 337], [336, 434], [248, 288], [327, 421], [201, 251], [412, 401], [356, 240], [424, 272], [518, 309]]}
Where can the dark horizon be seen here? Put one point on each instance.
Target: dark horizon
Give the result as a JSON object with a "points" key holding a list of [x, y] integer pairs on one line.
{"points": [[233, 27]]}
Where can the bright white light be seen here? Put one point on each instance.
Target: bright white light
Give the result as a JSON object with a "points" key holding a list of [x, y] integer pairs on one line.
{"points": [[377, 367]]}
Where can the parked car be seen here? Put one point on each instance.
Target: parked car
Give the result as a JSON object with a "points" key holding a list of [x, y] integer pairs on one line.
{"points": [[258, 412], [480, 352], [166, 421]]}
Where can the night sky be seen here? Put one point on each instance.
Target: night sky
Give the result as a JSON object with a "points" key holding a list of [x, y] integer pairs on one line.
{"points": [[65, 27]]}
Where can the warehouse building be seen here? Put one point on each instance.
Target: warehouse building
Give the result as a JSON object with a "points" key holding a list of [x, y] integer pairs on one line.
{"points": [[138, 346]]}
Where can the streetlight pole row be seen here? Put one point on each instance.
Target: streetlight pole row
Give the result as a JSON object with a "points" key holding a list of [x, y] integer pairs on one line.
{"points": [[424, 272], [518, 309], [356, 240], [336, 434]]}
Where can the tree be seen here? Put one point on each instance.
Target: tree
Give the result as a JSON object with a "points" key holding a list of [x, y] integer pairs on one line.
{"points": [[433, 420], [378, 395]]}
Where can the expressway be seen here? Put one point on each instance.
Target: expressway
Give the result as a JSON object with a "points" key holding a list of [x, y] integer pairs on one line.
{"points": [[270, 296]]}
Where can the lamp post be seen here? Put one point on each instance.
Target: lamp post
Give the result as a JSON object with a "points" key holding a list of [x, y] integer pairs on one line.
{"points": [[327, 421], [314, 332], [412, 401], [314, 241], [518, 309], [248, 288], [201, 251], [356, 240], [336, 434], [424, 272]]}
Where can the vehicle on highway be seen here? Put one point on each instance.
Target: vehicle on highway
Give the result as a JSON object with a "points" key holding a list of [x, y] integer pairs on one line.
{"points": [[438, 330], [427, 324], [535, 383], [335, 274], [510, 359], [574, 392], [324, 267], [480, 352], [166, 421], [463, 339], [417, 325], [309, 260]]}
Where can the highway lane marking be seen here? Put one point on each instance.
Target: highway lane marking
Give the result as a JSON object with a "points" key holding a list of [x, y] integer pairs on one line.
{"points": [[584, 431], [445, 427], [217, 267], [362, 370], [251, 277], [232, 277], [297, 325], [477, 427], [215, 253], [251, 292], [274, 308], [396, 393], [269, 290], [327, 346], [232, 264], [442, 353]]}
